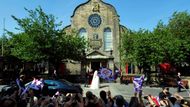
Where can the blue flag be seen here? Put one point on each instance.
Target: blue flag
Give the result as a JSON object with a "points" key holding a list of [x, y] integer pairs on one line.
{"points": [[138, 83], [35, 84], [106, 74], [19, 85]]}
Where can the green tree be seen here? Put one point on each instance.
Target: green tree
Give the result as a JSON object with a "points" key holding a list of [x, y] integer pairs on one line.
{"points": [[42, 39], [166, 43], [170, 45], [179, 27], [141, 47], [22, 47], [4, 47]]}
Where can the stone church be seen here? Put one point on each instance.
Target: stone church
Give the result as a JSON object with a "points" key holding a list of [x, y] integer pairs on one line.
{"points": [[98, 22]]}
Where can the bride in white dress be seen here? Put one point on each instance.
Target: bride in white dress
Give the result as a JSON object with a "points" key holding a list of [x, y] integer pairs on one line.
{"points": [[95, 81]]}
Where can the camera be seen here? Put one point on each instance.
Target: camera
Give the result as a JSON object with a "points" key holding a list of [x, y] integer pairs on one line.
{"points": [[146, 97]]}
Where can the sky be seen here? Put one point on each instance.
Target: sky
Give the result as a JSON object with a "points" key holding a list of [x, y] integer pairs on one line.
{"points": [[134, 14]]}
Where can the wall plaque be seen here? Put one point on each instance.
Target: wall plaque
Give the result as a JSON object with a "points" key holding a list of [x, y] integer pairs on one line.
{"points": [[95, 44]]}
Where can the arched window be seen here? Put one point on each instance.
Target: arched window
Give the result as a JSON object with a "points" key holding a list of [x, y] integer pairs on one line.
{"points": [[108, 39], [83, 33]]}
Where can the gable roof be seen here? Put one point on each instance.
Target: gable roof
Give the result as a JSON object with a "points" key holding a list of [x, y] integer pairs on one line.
{"points": [[111, 6], [97, 55]]}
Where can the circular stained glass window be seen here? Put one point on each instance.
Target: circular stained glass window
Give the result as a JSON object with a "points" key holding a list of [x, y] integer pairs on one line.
{"points": [[94, 20]]}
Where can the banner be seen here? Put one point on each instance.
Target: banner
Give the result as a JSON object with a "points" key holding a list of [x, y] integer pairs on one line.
{"points": [[138, 83], [106, 74], [35, 84]]}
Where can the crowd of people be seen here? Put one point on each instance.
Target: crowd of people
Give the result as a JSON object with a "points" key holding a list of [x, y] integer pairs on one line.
{"points": [[36, 96]]}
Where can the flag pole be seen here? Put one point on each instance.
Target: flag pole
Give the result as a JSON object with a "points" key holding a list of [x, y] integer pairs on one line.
{"points": [[2, 44]]}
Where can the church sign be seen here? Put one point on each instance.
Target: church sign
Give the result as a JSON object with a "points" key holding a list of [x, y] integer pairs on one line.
{"points": [[96, 44]]}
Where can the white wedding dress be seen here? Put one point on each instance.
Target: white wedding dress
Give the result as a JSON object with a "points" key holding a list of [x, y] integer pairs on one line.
{"points": [[95, 81]]}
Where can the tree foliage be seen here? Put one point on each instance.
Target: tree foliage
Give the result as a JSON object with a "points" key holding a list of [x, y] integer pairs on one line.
{"points": [[179, 26], [42, 39], [141, 47], [166, 43], [4, 47]]}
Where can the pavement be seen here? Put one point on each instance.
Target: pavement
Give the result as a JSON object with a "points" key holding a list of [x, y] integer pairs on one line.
{"points": [[127, 90]]}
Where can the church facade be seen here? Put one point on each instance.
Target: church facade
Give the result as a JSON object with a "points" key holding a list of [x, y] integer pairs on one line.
{"points": [[98, 23]]}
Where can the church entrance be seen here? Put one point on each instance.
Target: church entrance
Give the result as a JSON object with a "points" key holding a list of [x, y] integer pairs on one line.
{"points": [[95, 66]]}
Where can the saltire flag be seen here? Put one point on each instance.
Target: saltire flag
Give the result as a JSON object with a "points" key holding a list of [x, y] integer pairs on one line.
{"points": [[35, 84], [19, 85], [106, 74], [138, 83]]}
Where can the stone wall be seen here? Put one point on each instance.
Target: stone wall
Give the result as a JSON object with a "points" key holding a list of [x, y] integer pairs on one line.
{"points": [[109, 19]]}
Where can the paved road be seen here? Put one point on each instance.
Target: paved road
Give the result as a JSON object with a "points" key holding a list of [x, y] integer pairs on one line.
{"points": [[127, 90]]}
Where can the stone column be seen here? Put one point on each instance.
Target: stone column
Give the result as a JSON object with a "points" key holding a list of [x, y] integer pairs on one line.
{"points": [[111, 65]]}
